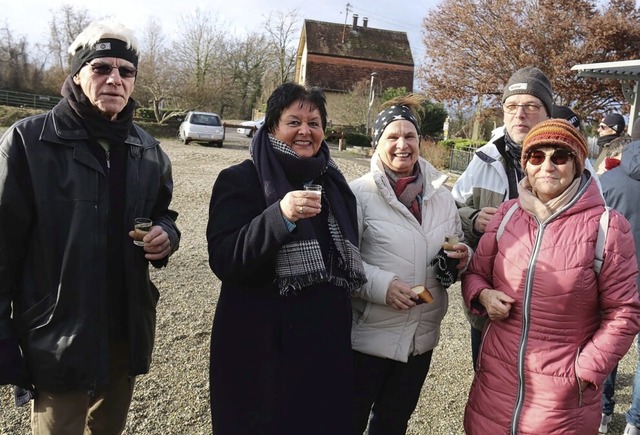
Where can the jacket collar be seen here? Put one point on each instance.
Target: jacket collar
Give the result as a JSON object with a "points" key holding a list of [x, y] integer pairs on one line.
{"points": [[65, 131]]}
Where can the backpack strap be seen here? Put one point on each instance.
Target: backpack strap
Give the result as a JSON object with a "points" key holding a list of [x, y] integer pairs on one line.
{"points": [[603, 227], [505, 219]]}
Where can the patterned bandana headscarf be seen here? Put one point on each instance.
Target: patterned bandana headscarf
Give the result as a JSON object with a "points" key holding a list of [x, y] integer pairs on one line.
{"points": [[390, 114]]}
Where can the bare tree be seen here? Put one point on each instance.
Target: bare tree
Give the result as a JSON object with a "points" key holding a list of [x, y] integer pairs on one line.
{"points": [[66, 23], [157, 77], [17, 73], [282, 33], [200, 50], [248, 61], [354, 106]]}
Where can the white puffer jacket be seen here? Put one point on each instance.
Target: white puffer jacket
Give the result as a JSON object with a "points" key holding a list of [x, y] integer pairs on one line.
{"points": [[393, 244]]}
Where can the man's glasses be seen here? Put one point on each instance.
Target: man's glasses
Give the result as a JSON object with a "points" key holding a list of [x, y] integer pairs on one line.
{"points": [[603, 127], [511, 109], [559, 156], [104, 69]]}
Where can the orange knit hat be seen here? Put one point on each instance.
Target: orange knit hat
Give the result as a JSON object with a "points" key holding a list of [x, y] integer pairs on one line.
{"points": [[556, 133]]}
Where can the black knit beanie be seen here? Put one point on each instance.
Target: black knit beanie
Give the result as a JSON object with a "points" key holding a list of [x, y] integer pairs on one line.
{"points": [[565, 112], [615, 121]]}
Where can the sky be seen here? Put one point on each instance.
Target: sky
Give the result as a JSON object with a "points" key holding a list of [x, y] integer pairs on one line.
{"points": [[31, 18]]}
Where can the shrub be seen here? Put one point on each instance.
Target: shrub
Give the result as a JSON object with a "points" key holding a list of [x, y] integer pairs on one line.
{"points": [[145, 114], [462, 144], [358, 140], [435, 153], [9, 115]]}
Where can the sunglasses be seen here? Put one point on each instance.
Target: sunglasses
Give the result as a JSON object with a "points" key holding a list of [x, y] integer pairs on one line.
{"points": [[559, 156], [603, 126], [104, 69]]}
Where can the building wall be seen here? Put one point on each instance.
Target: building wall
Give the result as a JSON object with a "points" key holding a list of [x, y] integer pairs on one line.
{"points": [[341, 74]]}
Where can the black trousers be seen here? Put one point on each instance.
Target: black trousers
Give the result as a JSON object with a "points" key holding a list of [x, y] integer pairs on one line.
{"points": [[387, 390]]}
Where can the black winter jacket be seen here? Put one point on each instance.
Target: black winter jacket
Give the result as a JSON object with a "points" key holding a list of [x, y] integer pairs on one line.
{"points": [[53, 249]]}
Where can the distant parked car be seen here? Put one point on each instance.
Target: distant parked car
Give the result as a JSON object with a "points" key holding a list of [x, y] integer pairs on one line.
{"points": [[250, 127], [202, 127]]}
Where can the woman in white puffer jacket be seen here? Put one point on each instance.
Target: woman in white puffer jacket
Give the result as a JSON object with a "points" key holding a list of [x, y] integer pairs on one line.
{"points": [[404, 214]]}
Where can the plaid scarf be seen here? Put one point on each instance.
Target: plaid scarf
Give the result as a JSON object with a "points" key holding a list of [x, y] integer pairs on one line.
{"points": [[303, 261]]}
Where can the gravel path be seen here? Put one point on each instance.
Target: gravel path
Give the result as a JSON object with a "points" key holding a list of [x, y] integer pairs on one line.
{"points": [[174, 398]]}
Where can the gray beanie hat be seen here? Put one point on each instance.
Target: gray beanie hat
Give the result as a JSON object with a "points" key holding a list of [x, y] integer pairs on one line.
{"points": [[530, 80]]}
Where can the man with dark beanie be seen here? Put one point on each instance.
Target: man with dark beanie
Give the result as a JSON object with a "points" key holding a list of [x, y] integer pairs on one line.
{"points": [[494, 172], [77, 307], [611, 139], [565, 112], [611, 127]]}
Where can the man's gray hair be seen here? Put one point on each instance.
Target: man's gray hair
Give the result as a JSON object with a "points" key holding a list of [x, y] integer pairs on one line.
{"points": [[101, 29]]}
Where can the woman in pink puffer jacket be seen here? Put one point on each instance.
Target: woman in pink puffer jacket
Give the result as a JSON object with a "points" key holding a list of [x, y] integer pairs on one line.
{"points": [[557, 328]]}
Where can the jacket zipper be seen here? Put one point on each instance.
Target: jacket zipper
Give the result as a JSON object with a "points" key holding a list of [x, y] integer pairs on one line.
{"points": [[526, 312], [108, 156]]}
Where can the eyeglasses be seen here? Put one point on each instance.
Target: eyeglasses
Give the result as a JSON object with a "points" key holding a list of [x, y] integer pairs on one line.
{"points": [[104, 69], [528, 108], [603, 127], [559, 156]]}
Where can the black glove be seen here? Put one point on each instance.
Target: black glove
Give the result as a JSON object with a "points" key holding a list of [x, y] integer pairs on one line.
{"points": [[446, 271]]}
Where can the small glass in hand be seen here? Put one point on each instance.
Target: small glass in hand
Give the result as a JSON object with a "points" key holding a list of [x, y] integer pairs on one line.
{"points": [[316, 189], [141, 226]]}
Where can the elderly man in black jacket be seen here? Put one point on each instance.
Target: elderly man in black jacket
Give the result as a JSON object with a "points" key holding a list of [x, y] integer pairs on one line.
{"points": [[77, 307]]}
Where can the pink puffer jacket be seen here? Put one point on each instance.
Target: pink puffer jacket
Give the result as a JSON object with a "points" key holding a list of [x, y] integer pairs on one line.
{"points": [[567, 323]]}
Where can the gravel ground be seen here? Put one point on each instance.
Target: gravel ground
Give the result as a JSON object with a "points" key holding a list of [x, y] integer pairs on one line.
{"points": [[174, 399]]}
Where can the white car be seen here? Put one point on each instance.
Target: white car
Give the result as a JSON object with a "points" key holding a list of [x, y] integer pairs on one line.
{"points": [[252, 126], [202, 127]]}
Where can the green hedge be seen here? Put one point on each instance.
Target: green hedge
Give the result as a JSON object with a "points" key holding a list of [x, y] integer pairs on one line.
{"points": [[358, 140], [461, 144]]}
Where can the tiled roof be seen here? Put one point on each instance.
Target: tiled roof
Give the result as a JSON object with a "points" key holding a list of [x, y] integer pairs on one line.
{"points": [[364, 43]]}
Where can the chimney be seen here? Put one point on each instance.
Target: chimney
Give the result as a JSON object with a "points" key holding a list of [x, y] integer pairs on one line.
{"points": [[365, 21], [355, 21]]}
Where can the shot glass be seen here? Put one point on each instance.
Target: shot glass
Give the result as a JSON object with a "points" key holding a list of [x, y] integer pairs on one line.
{"points": [[141, 226], [449, 241], [316, 188]]}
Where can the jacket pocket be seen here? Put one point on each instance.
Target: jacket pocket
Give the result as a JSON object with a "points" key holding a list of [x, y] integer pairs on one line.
{"points": [[361, 315]]}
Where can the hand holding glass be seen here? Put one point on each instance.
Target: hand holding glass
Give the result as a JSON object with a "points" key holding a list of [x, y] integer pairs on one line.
{"points": [[141, 226]]}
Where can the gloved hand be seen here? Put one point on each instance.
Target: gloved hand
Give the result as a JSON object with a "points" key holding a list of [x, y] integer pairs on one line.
{"points": [[13, 368], [446, 271]]}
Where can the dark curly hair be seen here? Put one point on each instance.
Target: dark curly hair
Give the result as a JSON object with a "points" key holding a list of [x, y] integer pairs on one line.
{"points": [[287, 94]]}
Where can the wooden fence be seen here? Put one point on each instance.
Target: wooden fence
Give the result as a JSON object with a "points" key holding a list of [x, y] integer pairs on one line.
{"points": [[22, 99]]}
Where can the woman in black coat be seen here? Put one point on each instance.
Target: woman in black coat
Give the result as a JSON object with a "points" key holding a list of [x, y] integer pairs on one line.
{"points": [[288, 260]]}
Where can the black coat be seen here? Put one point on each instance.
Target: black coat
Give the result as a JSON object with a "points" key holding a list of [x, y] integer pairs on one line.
{"points": [[53, 251], [279, 365]]}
